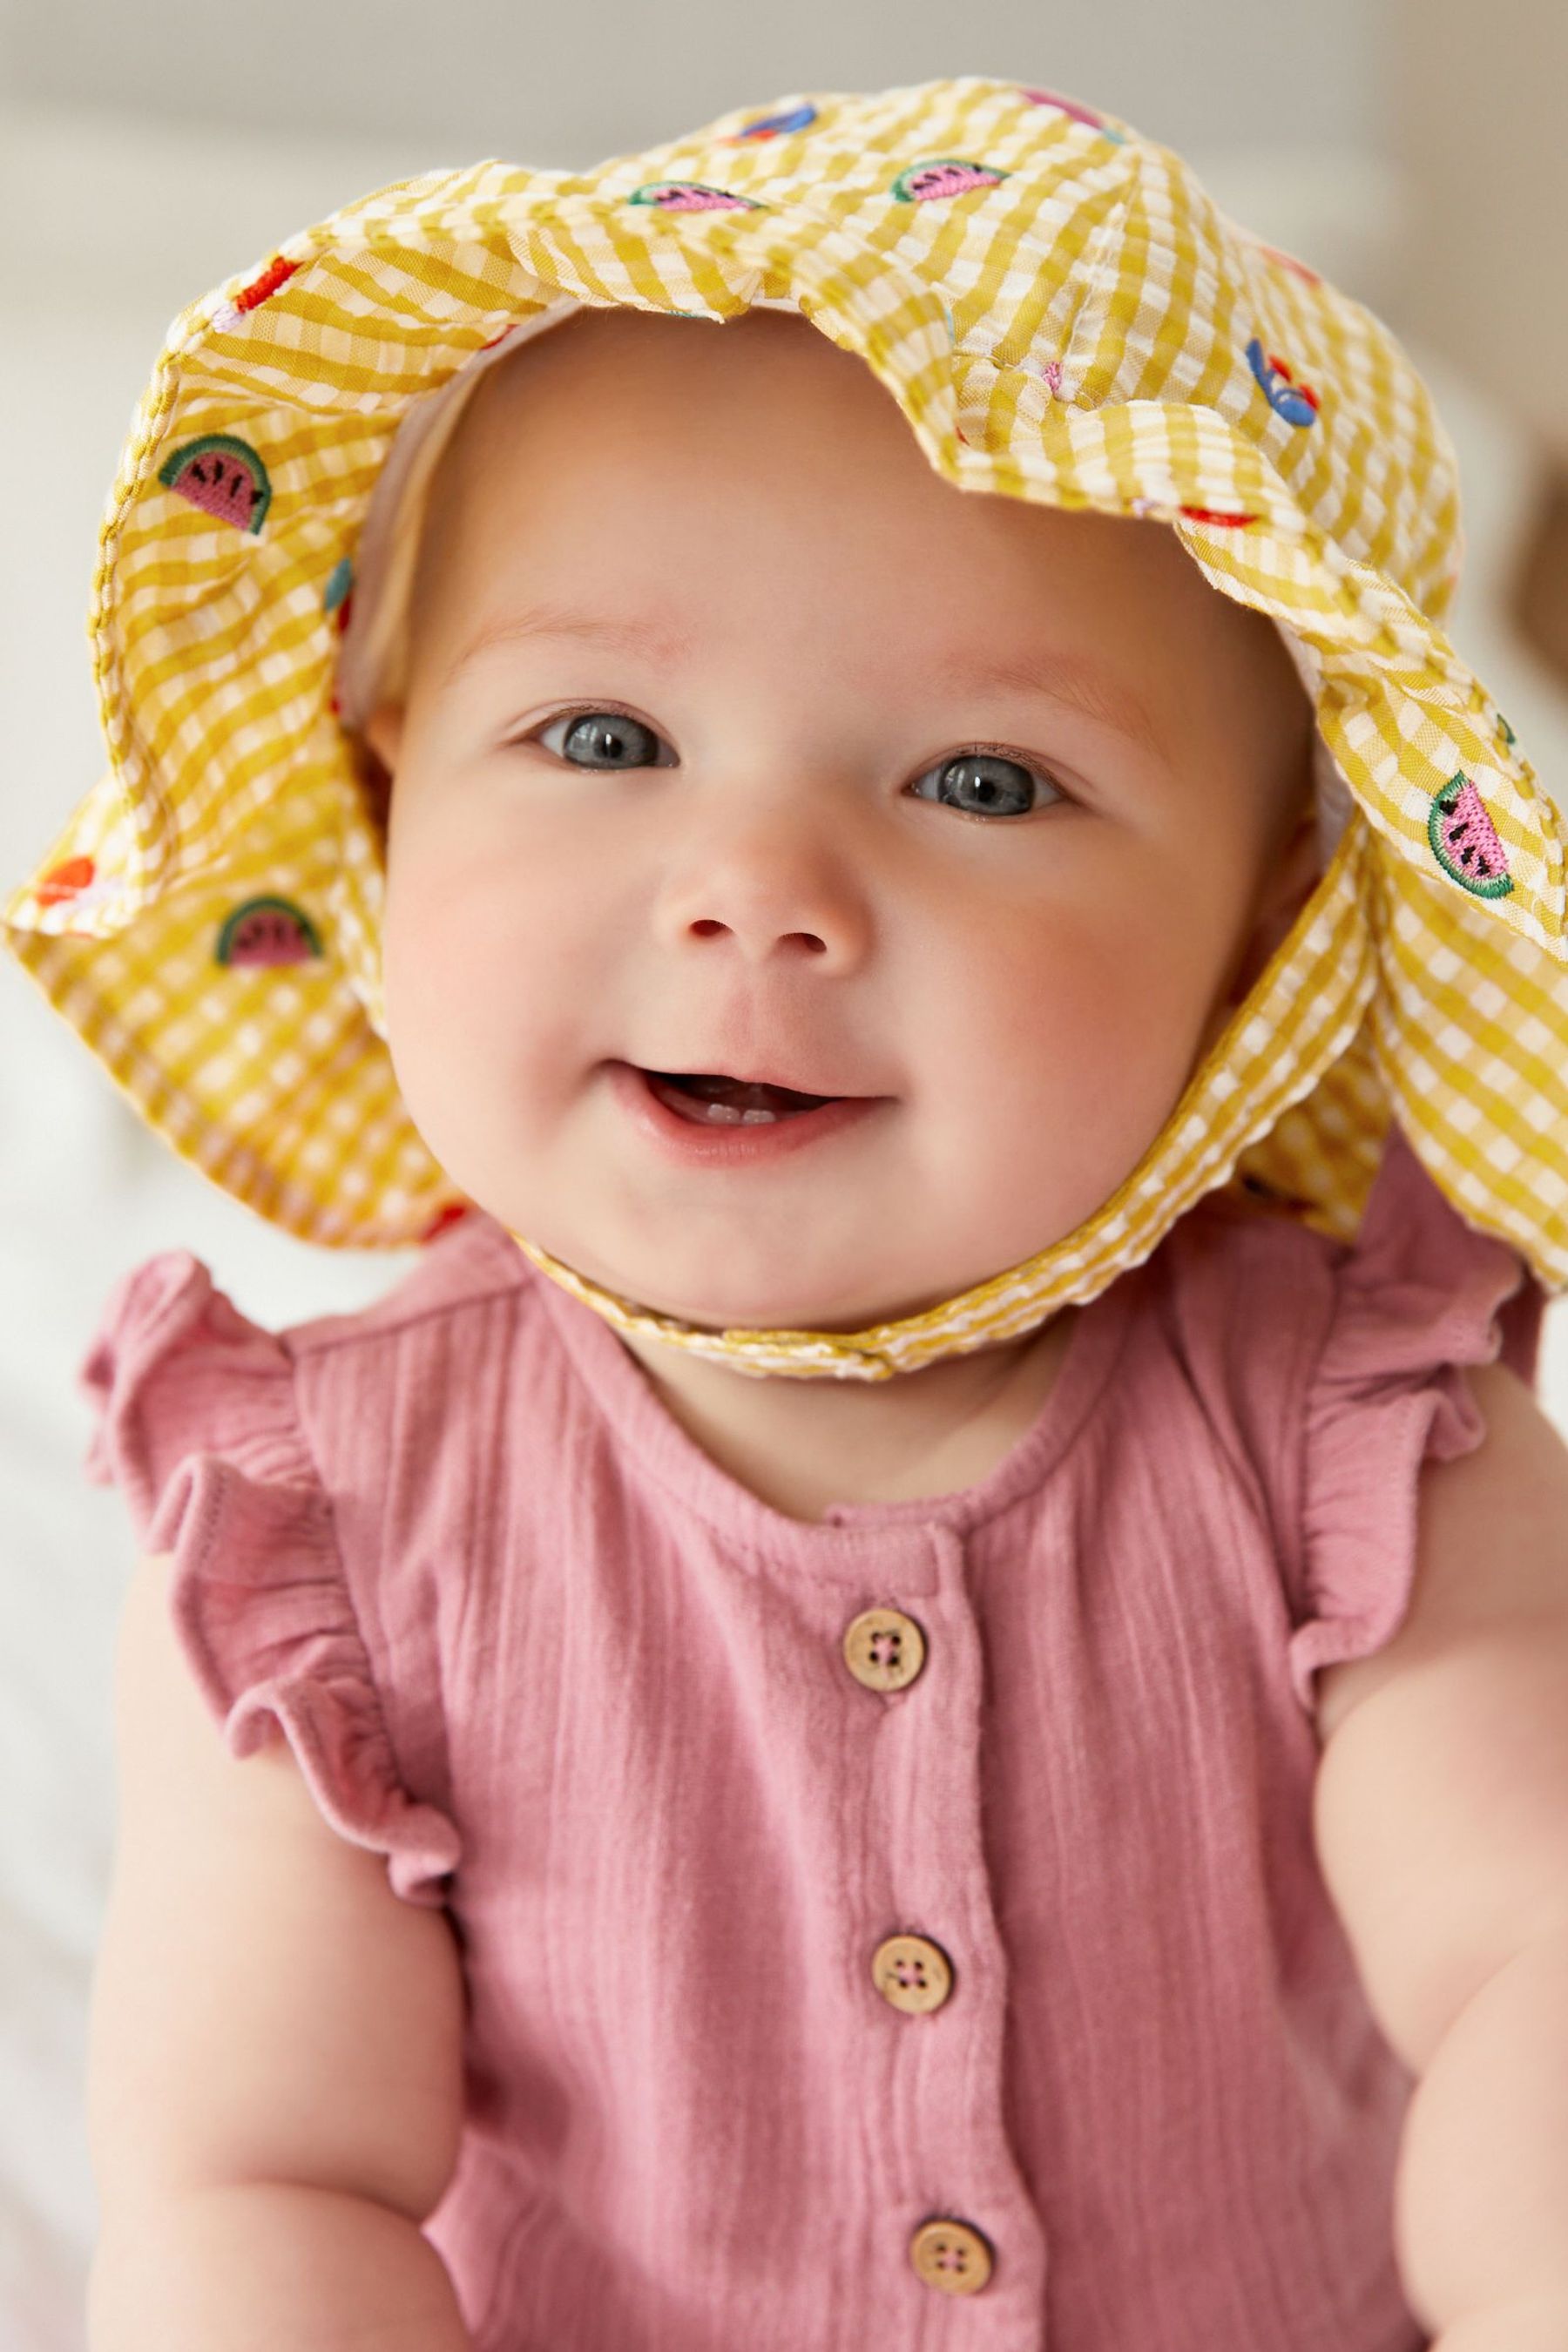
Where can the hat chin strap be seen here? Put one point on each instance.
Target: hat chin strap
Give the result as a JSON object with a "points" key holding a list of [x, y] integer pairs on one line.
{"points": [[874, 1354]]}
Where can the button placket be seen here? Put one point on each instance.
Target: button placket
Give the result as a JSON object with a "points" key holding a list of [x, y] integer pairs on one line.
{"points": [[887, 1651]]}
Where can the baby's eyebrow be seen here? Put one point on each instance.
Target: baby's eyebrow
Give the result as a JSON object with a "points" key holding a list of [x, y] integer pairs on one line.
{"points": [[1055, 676], [650, 639], [1061, 678]]}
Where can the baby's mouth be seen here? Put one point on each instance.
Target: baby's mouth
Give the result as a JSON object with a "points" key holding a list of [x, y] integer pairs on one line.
{"points": [[709, 1098]]}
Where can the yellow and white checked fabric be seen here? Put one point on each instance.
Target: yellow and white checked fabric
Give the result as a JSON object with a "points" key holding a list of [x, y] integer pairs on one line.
{"points": [[1063, 315]]}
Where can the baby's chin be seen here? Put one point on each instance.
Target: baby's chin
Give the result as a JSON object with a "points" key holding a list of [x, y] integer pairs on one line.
{"points": [[756, 1310], [760, 1303]]}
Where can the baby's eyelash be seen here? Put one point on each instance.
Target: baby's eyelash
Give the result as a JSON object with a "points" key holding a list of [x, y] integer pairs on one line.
{"points": [[1030, 766]]}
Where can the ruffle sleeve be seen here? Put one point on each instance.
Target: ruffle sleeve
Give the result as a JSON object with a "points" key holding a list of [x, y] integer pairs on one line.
{"points": [[1417, 1295], [198, 1427]]}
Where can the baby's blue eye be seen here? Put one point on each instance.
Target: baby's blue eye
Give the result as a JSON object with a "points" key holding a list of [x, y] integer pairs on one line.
{"points": [[987, 783], [977, 784], [607, 739]]}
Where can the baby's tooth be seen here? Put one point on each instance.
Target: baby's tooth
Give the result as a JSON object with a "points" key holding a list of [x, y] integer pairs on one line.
{"points": [[718, 1114]]}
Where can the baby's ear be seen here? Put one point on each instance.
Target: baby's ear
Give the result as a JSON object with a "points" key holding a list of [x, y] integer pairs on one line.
{"points": [[383, 733], [372, 754], [1296, 870]]}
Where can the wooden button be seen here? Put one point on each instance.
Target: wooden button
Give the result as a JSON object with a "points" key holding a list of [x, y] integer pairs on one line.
{"points": [[951, 2257], [913, 1973], [884, 1648]]}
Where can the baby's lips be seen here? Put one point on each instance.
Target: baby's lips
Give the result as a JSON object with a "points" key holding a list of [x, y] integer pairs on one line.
{"points": [[766, 1071]]}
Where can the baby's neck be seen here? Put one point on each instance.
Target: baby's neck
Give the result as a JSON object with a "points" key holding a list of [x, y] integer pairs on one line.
{"points": [[799, 1446]]}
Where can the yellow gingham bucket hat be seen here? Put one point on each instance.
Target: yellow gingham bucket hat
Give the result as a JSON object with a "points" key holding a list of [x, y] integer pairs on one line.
{"points": [[1062, 315]]}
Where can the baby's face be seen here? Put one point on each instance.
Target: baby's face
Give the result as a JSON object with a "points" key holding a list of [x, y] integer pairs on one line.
{"points": [[789, 860]]}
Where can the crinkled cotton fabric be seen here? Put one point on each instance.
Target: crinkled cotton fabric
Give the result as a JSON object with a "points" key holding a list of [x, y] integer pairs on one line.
{"points": [[577, 1683]]}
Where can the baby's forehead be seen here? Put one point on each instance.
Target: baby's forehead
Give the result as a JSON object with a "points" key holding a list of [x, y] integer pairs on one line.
{"points": [[717, 442], [613, 373], [612, 399]]}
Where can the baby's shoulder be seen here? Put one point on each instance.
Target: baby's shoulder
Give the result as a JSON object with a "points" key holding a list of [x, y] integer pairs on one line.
{"points": [[1240, 1263], [1236, 1306], [472, 1264]]}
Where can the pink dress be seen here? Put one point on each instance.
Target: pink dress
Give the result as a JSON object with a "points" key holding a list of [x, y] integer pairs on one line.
{"points": [[580, 1686]]}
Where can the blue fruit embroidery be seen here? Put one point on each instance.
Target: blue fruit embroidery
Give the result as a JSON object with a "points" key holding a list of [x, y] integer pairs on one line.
{"points": [[1296, 403], [338, 584], [774, 126]]}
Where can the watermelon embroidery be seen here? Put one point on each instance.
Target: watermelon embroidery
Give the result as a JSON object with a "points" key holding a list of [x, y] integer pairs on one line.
{"points": [[223, 476], [774, 126], [1296, 403], [946, 175], [1070, 106], [267, 931], [1464, 840], [691, 196]]}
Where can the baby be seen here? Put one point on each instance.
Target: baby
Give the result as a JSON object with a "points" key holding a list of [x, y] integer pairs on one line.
{"points": [[1004, 958], [912, 1690]]}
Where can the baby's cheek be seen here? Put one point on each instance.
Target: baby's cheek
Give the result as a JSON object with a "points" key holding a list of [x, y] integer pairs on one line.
{"points": [[1066, 1046], [461, 918], [445, 975], [489, 1013], [1069, 990]]}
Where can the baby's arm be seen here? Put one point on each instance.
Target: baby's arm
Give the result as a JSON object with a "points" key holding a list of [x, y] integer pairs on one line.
{"points": [[1441, 1815], [274, 2067]]}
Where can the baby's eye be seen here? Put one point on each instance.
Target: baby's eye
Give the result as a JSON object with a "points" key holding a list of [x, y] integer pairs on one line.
{"points": [[605, 739], [987, 783], [976, 784]]}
